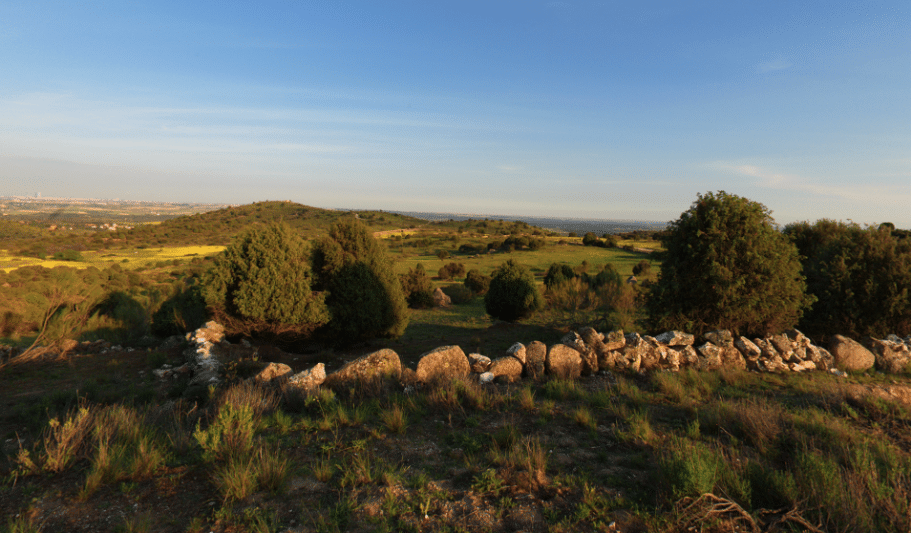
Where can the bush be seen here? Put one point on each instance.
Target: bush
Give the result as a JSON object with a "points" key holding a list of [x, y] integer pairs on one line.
{"points": [[727, 267], [642, 268], [476, 282], [860, 277], [557, 274], [590, 239], [417, 287], [452, 270], [365, 296], [263, 280], [610, 241], [459, 294], [513, 294]]}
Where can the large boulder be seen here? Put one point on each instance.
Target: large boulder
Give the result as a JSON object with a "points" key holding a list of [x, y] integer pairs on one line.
{"points": [[709, 357], [563, 361], [506, 369], [850, 355], [891, 357], [535, 357], [445, 362], [731, 358], [747, 348], [586, 352], [517, 350], [383, 363], [654, 353], [441, 299], [720, 337], [685, 356]]}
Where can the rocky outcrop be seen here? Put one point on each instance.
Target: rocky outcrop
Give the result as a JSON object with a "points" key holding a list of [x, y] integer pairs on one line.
{"points": [[273, 372], [850, 355], [446, 362], [891, 355]]}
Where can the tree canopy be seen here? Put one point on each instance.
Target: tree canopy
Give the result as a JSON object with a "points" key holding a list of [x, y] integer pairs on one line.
{"points": [[513, 293], [727, 266]]}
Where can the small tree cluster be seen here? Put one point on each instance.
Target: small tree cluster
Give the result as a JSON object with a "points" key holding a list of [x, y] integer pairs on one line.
{"points": [[513, 293], [452, 270], [590, 239], [861, 278], [642, 268], [477, 282]]}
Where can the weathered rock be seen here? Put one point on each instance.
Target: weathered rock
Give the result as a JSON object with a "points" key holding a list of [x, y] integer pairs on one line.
{"points": [[535, 357], [575, 341], [798, 337], [586, 352], [272, 372], [676, 338], [891, 357], [517, 350], [615, 340], [653, 353], [686, 355], [507, 366], [441, 299], [486, 377], [720, 337], [750, 351], [802, 367], [446, 362], [709, 357], [783, 346], [850, 354], [611, 360], [591, 337], [383, 363], [309, 379], [774, 365], [479, 363], [212, 332], [767, 348], [563, 361], [732, 359]]}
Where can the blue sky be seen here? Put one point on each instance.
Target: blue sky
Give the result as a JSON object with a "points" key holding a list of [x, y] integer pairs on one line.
{"points": [[619, 110]]}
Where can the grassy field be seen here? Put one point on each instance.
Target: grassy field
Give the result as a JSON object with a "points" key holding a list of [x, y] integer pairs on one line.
{"points": [[111, 448], [129, 258]]}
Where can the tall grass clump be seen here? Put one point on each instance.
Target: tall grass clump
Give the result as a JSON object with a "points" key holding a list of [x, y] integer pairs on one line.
{"points": [[689, 468], [60, 445]]}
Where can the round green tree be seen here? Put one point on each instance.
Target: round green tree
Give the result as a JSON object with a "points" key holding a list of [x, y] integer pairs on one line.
{"points": [[727, 266], [365, 297], [263, 279], [513, 293]]}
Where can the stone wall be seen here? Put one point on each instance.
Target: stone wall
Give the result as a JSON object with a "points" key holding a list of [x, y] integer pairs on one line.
{"points": [[582, 353]]}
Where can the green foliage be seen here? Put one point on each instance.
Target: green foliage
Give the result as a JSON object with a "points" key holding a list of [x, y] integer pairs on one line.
{"points": [[727, 267], [184, 311], [365, 296], [642, 268], [860, 278], [513, 293], [452, 270], [264, 277], [557, 274], [68, 255], [417, 287], [459, 294], [477, 282]]}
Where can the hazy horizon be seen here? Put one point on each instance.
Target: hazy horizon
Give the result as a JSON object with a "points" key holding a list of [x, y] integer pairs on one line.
{"points": [[593, 110]]}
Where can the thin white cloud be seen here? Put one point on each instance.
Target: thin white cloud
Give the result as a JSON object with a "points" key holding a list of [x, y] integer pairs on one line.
{"points": [[888, 193], [773, 65]]}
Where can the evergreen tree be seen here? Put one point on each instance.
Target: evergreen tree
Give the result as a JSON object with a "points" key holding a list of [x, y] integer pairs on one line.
{"points": [[513, 293], [417, 287], [477, 282], [365, 296], [727, 266], [263, 279]]}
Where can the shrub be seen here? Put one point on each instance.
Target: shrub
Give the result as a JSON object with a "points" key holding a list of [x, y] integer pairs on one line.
{"points": [[263, 280], [452, 270], [642, 268], [727, 267], [513, 294], [417, 287], [590, 239], [459, 294], [610, 241], [557, 274], [476, 282], [365, 296], [860, 277]]}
